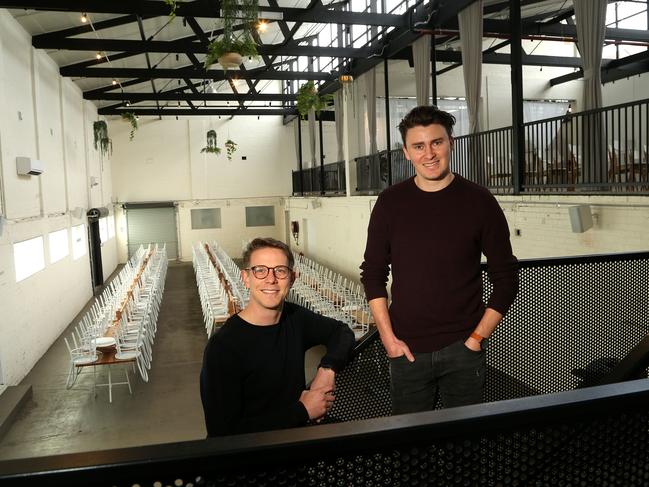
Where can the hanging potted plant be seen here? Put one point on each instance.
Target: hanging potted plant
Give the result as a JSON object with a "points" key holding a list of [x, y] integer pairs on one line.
{"points": [[229, 52], [132, 119], [211, 147], [173, 6], [102, 141], [308, 98], [230, 148], [230, 49]]}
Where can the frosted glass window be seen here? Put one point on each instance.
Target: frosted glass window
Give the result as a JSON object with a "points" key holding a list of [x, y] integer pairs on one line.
{"points": [[79, 241], [59, 246], [260, 216], [29, 258], [206, 218], [111, 226], [103, 229]]}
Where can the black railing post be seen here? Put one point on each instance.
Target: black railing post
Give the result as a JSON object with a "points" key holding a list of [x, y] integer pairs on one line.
{"points": [[386, 89], [518, 142], [299, 151], [433, 63], [322, 157]]}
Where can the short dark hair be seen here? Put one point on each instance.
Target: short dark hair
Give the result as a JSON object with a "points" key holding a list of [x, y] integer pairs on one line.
{"points": [[264, 243], [425, 115]]}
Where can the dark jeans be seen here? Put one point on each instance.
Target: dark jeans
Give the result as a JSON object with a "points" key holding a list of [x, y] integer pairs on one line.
{"points": [[455, 372]]}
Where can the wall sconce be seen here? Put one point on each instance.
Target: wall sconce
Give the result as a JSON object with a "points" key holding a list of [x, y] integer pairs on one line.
{"points": [[345, 78]]}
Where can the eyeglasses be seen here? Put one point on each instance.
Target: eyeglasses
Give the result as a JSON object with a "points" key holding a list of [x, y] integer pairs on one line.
{"points": [[261, 271]]}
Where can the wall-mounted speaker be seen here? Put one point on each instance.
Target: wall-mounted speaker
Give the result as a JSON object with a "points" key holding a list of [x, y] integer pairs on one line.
{"points": [[581, 218]]}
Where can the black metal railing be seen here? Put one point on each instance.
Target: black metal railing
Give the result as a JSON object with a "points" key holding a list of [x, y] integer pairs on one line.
{"points": [[598, 151], [310, 181], [573, 320], [372, 171]]}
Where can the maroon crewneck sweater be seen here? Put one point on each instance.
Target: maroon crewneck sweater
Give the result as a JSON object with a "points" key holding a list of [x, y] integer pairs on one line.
{"points": [[433, 242]]}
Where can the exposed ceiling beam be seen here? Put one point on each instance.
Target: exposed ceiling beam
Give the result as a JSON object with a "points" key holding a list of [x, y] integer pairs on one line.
{"points": [[612, 69], [192, 73], [194, 96], [492, 27], [181, 47], [203, 111], [87, 28], [202, 8], [504, 58]]}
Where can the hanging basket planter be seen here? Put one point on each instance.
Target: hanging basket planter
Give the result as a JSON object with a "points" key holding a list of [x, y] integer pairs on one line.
{"points": [[103, 143], [230, 60], [211, 147]]}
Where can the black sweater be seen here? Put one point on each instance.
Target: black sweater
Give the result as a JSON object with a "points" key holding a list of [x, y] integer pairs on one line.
{"points": [[432, 242], [252, 376]]}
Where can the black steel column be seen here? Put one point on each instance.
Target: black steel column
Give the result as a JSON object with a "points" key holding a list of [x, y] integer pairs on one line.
{"points": [[518, 136], [322, 157], [433, 62], [299, 152], [386, 89]]}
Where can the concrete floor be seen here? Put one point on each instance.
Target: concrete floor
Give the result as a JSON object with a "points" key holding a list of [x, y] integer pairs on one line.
{"points": [[166, 409]]}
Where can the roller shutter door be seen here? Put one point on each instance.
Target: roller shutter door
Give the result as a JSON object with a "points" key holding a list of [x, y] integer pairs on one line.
{"points": [[152, 225]]}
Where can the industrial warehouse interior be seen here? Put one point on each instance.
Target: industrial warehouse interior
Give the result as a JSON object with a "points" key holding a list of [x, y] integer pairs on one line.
{"points": [[137, 162]]}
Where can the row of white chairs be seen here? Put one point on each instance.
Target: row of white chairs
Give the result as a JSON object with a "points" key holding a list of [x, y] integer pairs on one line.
{"points": [[212, 293], [232, 274], [139, 319], [134, 295], [326, 292]]}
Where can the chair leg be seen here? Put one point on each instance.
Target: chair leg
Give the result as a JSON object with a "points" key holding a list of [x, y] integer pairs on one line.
{"points": [[128, 382], [110, 387]]}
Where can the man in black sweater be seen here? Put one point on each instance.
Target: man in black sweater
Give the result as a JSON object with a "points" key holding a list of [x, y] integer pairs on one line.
{"points": [[253, 369], [430, 231]]}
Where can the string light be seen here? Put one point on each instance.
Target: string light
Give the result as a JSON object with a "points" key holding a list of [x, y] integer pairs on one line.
{"points": [[262, 26], [84, 18], [98, 55], [114, 81]]}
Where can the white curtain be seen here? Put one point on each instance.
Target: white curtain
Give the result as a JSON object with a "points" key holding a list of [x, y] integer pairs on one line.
{"points": [[421, 59], [590, 17], [340, 122], [470, 22], [370, 87], [311, 138]]}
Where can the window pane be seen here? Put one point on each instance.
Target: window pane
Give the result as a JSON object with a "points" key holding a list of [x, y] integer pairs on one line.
{"points": [[59, 247], [111, 226], [103, 229], [260, 216], [206, 218], [78, 241], [29, 257]]}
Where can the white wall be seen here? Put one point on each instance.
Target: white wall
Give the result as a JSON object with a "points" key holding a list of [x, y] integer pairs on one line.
{"points": [[44, 117], [164, 163], [335, 231], [233, 231]]}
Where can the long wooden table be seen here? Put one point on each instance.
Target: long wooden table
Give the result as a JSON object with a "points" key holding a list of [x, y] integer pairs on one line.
{"points": [[106, 355]]}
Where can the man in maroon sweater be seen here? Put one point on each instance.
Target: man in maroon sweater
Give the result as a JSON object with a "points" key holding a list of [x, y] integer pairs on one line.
{"points": [[430, 231]]}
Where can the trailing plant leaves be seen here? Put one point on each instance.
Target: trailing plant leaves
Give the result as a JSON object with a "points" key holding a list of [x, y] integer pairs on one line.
{"points": [[211, 147], [308, 98], [132, 119], [102, 142], [231, 148]]}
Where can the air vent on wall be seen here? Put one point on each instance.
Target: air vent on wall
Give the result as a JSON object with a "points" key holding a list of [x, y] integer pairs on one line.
{"points": [[26, 166]]}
